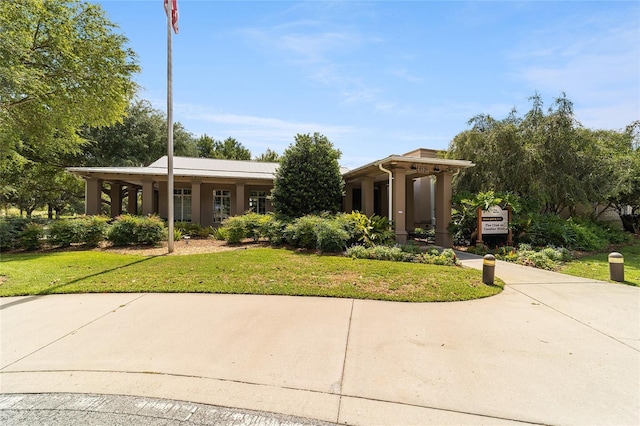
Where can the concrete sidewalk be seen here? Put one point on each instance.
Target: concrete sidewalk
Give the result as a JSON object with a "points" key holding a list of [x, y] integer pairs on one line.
{"points": [[550, 349]]}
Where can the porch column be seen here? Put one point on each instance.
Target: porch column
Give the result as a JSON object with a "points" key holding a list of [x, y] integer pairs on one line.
{"points": [[92, 196], [348, 198], [116, 199], [240, 201], [443, 209], [410, 205], [195, 202], [400, 204], [367, 196], [132, 199], [163, 199], [147, 197]]}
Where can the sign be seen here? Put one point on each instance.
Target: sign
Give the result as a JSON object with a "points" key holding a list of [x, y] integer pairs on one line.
{"points": [[495, 221]]}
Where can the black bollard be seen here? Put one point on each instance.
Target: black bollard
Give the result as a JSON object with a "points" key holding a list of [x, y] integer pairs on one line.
{"points": [[616, 267], [488, 268]]}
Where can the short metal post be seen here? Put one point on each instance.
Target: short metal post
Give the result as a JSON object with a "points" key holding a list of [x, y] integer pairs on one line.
{"points": [[488, 268], [616, 267]]}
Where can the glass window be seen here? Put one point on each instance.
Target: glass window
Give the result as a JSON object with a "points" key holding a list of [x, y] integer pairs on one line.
{"points": [[258, 202], [182, 205], [221, 205]]}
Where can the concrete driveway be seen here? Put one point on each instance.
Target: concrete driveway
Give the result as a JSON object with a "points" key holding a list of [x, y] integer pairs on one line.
{"points": [[550, 349]]}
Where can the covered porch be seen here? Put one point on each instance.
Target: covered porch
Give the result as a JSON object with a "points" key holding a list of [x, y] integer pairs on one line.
{"points": [[412, 190]]}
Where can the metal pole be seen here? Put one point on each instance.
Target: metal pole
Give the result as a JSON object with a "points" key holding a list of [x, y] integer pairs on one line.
{"points": [[169, 129]]}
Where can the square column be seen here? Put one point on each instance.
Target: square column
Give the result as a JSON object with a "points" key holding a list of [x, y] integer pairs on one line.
{"points": [[410, 205], [92, 196], [367, 196], [443, 209], [147, 197], [195, 201], [400, 204], [163, 199], [116, 199], [240, 201], [132, 199], [348, 198]]}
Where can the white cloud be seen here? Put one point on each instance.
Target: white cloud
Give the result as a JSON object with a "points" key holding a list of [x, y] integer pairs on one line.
{"points": [[254, 131]]}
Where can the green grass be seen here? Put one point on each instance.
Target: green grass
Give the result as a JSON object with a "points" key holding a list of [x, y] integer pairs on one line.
{"points": [[596, 266], [253, 271]]}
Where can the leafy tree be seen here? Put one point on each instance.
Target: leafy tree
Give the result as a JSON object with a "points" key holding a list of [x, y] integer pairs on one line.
{"points": [[308, 180], [269, 156], [62, 66], [547, 157], [33, 185], [229, 149], [140, 139], [205, 146]]}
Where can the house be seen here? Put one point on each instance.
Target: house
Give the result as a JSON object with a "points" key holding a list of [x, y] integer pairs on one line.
{"points": [[413, 189]]}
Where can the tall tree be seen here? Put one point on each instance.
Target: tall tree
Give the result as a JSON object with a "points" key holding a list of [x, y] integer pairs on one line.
{"points": [[229, 149], [308, 180], [546, 157], [62, 66], [140, 139], [269, 156]]}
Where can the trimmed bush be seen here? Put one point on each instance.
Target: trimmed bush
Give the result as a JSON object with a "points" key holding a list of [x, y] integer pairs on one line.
{"points": [[30, 238], [88, 230], [93, 230], [64, 232], [10, 229], [302, 232], [398, 254], [129, 229], [273, 228], [234, 230], [331, 236]]}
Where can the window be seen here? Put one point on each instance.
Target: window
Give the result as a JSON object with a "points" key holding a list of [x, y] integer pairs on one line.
{"points": [[258, 201], [221, 205], [182, 205]]}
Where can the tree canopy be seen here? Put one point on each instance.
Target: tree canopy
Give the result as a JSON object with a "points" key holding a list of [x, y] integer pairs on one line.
{"points": [[308, 180], [549, 158], [62, 66], [138, 140], [229, 149]]}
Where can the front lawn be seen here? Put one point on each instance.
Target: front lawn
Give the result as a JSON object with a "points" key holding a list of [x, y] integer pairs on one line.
{"points": [[252, 271], [596, 266]]}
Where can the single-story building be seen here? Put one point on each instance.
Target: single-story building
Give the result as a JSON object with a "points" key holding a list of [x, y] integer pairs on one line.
{"points": [[413, 189]]}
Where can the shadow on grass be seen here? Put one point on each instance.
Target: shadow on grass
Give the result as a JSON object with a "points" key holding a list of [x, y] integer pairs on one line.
{"points": [[53, 290]]}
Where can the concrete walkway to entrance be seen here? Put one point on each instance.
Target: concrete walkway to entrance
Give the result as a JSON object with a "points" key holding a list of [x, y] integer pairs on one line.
{"points": [[550, 349]]}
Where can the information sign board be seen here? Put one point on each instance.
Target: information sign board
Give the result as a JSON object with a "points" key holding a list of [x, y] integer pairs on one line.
{"points": [[495, 221]]}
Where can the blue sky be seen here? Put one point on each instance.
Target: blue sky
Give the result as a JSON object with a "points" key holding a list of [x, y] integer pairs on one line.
{"points": [[382, 77]]}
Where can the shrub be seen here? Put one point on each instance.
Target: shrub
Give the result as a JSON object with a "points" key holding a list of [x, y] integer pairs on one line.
{"points": [[331, 237], [370, 231], [93, 230], [10, 228], [273, 228], [234, 230], [302, 232], [219, 233], [63, 232], [396, 253], [252, 223], [30, 238], [128, 229]]}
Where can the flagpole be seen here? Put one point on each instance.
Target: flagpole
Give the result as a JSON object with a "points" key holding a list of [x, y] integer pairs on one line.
{"points": [[170, 127]]}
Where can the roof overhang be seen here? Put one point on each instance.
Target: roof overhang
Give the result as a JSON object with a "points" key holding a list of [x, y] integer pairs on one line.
{"points": [[414, 166]]}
